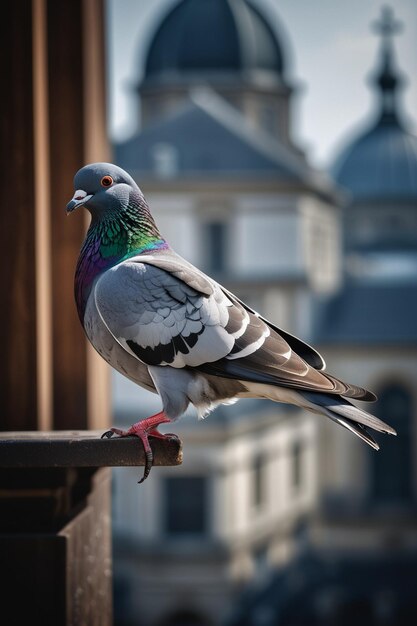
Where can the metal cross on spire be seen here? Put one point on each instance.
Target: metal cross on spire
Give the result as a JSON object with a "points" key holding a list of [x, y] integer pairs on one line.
{"points": [[387, 25], [387, 78]]}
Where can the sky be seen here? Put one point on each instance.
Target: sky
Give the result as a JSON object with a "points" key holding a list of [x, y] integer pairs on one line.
{"points": [[330, 48]]}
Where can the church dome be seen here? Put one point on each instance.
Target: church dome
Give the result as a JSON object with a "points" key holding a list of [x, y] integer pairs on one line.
{"points": [[381, 164], [207, 36]]}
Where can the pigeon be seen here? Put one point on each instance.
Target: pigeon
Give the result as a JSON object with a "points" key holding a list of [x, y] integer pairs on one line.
{"points": [[173, 330]]}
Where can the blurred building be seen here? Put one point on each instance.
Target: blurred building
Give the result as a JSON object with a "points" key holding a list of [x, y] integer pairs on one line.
{"points": [[372, 317], [265, 488], [357, 550]]}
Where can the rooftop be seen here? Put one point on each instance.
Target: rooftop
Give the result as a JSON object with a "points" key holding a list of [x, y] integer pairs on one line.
{"points": [[368, 314], [209, 137]]}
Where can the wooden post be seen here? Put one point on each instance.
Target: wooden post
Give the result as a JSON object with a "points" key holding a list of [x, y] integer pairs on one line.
{"points": [[18, 319], [53, 122], [77, 136]]}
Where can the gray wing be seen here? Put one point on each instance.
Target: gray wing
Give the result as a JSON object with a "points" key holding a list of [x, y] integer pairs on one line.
{"points": [[261, 354], [162, 319], [166, 312], [303, 349], [185, 271]]}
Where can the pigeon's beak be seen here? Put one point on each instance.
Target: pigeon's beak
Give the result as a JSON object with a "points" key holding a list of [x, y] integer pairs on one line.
{"points": [[80, 197]]}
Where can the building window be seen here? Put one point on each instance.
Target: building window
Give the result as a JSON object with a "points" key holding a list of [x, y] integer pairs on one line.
{"points": [[296, 466], [392, 467], [186, 505], [216, 242], [268, 118], [165, 160], [258, 481]]}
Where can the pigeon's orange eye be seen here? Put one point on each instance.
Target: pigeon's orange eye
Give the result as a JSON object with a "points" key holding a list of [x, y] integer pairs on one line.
{"points": [[106, 181]]}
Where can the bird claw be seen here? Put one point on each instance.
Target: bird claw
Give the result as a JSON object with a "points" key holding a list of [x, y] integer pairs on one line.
{"points": [[148, 466], [107, 435], [144, 429], [171, 437]]}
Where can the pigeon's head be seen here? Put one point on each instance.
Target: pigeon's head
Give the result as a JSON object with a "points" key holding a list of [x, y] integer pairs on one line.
{"points": [[102, 188]]}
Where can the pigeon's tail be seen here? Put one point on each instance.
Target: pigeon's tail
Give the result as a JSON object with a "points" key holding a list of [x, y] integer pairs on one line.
{"points": [[347, 415], [333, 406]]}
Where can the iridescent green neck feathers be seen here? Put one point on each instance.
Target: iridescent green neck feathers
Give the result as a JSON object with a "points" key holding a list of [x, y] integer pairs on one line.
{"points": [[113, 237]]}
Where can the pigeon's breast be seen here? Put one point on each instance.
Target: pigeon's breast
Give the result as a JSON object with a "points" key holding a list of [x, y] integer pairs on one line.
{"points": [[90, 265]]}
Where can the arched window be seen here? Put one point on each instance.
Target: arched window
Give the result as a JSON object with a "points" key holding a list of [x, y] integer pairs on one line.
{"points": [[391, 467]]}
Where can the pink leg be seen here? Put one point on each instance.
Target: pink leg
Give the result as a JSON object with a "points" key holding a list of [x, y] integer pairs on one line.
{"points": [[147, 427]]}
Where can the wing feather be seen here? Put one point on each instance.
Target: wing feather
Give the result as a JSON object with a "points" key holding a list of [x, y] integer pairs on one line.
{"points": [[166, 312], [162, 320]]}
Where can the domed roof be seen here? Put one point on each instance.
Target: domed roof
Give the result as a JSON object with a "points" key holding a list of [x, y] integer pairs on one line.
{"points": [[381, 164], [213, 35]]}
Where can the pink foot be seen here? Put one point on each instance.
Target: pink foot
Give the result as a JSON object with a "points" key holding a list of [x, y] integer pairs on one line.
{"points": [[147, 427]]}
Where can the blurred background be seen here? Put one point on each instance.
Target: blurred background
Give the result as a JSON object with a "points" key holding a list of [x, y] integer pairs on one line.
{"points": [[273, 141]]}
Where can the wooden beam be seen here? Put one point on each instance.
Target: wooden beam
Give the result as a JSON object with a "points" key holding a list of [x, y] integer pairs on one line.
{"points": [[52, 123], [82, 449], [18, 318], [77, 135], [42, 221], [66, 123], [96, 148]]}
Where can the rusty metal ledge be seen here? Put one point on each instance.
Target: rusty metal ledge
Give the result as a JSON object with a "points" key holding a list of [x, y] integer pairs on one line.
{"points": [[81, 448]]}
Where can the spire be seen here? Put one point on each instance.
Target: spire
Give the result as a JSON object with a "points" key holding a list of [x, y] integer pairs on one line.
{"points": [[387, 79]]}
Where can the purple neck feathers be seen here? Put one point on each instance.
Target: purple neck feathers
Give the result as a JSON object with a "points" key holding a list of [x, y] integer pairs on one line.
{"points": [[106, 245]]}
